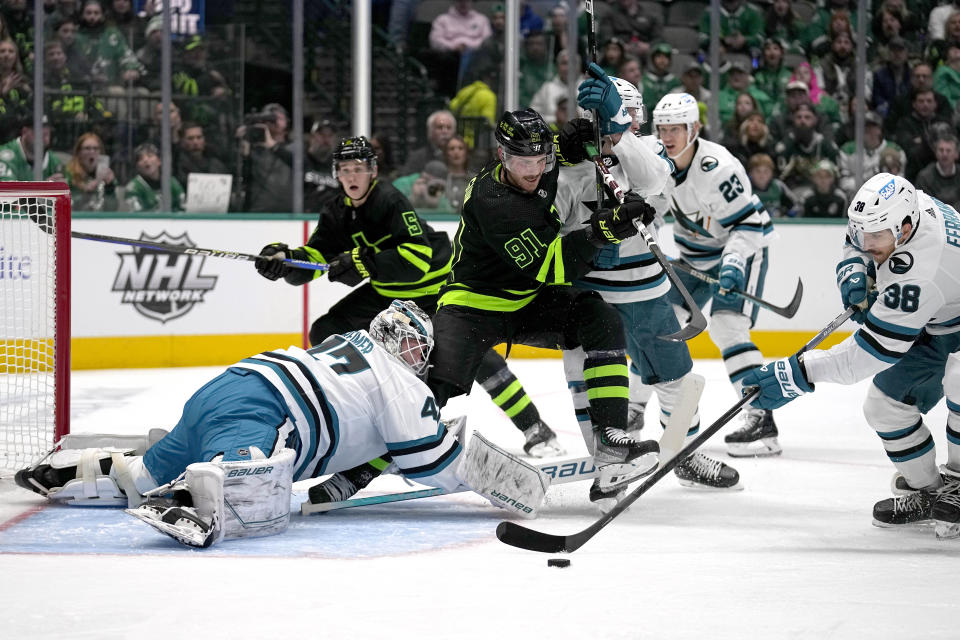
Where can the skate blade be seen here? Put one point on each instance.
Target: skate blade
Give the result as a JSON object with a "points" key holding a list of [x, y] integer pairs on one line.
{"points": [[919, 524], [608, 503], [617, 475], [763, 448], [549, 449], [945, 530], [690, 484]]}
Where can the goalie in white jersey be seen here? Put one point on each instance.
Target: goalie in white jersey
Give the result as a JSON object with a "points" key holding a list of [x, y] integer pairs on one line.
{"points": [[722, 229], [909, 343], [628, 275], [274, 418]]}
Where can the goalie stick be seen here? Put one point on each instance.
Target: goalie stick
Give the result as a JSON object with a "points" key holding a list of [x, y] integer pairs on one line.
{"points": [[562, 472], [787, 311], [196, 251], [532, 540]]}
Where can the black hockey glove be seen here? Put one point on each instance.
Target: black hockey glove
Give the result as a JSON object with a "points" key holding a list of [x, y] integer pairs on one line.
{"points": [[273, 268], [572, 140], [612, 226], [649, 213], [352, 267]]}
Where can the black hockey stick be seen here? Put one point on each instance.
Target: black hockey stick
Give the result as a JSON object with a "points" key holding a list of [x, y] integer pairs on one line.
{"points": [[592, 51], [213, 253], [788, 311], [697, 320], [519, 536]]}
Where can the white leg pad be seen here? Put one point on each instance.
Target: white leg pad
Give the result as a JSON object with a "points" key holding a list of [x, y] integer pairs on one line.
{"points": [[91, 487], [256, 495], [506, 481]]}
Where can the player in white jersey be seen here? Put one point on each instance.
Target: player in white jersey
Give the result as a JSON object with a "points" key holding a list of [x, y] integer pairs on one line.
{"points": [[627, 274], [271, 419], [723, 229], [909, 343]]}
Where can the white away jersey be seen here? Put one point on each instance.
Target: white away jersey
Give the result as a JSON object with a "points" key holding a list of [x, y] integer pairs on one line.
{"points": [[919, 287], [349, 401], [626, 272], [714, 208]]}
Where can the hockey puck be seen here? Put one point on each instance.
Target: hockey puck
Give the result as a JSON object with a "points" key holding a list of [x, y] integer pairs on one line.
{"points": [[558, 562]]}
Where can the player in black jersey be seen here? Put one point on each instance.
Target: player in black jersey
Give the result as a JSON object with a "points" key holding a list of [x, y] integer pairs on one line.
{"points": [[371, 232], [510, 283]]}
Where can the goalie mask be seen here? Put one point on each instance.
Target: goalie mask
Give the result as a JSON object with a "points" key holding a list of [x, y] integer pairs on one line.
{"points": [[406, 332], [882, 204]]}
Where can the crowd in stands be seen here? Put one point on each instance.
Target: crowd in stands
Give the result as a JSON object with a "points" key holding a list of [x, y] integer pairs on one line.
{"points": [[787, 100]]}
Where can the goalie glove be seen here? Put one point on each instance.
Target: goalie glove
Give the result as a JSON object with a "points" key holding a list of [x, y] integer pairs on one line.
{"points": [[352, 267]]}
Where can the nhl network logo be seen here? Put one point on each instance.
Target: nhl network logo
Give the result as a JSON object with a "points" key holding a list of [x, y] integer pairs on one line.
{"points": [[162, 286]]}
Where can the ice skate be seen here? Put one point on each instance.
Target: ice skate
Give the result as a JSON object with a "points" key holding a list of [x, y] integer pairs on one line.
{"points": [[756, 438], [343, 484], [606, 500], [635, 413], [621, 459], [541, 441], [946, 508], [703, 472], [912, 508]]}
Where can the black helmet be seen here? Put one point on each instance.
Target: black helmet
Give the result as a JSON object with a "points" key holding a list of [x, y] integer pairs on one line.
{"points": [[524, 133], [358, 148]]}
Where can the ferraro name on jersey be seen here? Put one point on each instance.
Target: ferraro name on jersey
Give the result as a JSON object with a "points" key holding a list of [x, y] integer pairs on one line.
{"points": [[336, 390], [714, 208], [919, 290], [625, 272]]}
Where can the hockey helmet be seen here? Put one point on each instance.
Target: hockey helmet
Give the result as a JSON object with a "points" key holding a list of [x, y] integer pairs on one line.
{"points": [[525, 133], [356, 148], [884, 202], [631, 97], [678, 108], [406, 332]]}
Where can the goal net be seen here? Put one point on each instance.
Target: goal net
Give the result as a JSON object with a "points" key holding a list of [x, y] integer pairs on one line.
{"points": [[34, 320]]}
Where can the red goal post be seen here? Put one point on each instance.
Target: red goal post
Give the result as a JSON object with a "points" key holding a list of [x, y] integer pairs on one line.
{"points": [[34, 320]]}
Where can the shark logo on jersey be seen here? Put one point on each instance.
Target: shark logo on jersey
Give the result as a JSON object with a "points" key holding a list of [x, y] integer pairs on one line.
{"points": [[888, 190], [162, 286], [900, 263], [709, 163]]}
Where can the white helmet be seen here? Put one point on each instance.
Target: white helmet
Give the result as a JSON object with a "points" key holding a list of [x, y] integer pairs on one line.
{"points": [[677, 108], [883, 202], [631, 98], [406, 332]]}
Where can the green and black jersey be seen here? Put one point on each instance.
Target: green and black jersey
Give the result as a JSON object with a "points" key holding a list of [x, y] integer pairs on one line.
{"points": [[508, 245], [412, 260]]}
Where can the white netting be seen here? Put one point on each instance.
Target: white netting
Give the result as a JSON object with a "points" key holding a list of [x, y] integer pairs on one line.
{"points": [[28, 322]]}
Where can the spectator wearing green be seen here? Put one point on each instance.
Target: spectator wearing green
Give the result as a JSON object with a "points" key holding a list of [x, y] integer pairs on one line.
{"points": [[741, 27], [799, 151], [772, 76], [657, 79], [143, 192], [16, 156], [111, 60], [738, 81], [426, 189], [535, 65], [946, 79], [776, 197], [475, 105], [833, 17]]}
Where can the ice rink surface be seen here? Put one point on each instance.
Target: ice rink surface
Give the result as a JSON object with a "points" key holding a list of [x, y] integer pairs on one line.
{"points": [[793, 555]]}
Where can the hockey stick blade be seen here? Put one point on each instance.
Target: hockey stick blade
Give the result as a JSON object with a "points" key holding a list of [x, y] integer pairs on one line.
{"points": [[196, 251], [521, 537], [787, 311], [532, 540]]}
